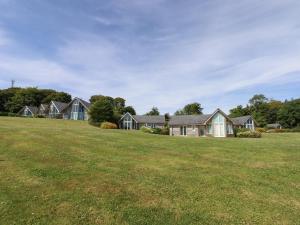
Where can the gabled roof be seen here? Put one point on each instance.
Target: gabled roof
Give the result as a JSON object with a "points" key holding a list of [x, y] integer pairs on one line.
{"points": [[189, 119], [33, 109], [146, 119], [44, 106], [85, 104], [194, 119], [60, 105], [149, 119], [241, 120]]}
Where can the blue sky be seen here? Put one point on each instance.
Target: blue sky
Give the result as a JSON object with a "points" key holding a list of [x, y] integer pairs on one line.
{"points": [[163, 53]]}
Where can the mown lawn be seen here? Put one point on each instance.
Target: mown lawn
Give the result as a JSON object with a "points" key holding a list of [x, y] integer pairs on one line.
{"points": [[67, 172]]}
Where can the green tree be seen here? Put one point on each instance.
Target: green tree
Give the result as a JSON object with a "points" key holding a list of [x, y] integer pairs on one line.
{"points": [[238, 111], [273, 109], [130, 110], [153, 112], [259, 108], [5, 96], [193, 109], [58, 96], [119, 105], [190, 109], [101, 111], [289, 114]]}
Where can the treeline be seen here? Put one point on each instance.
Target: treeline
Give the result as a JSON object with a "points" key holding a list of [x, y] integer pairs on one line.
{"points": [[13, 99], [268, 111]]}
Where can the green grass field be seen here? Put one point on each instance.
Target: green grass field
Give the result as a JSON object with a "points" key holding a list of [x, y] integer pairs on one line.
{"points": [[67, 172]]}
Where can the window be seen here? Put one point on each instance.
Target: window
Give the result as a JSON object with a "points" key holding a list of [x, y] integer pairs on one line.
{"points": [[127, 123], [183, 130], [229, 129], [249, 124], [194, 128]]}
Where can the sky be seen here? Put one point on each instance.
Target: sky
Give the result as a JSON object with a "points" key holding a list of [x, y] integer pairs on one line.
{"points": [[163, 53]]}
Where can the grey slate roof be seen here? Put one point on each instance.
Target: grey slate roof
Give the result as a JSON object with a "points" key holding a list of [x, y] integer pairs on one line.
{"points": [[33, 109], [60, 105], [240, 120], [150, 119], [85, 103], [273, 125], [189, 119], [45, 106]]}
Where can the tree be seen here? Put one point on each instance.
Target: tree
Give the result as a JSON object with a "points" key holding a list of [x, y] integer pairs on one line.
{"points": [[257, 100], [58, 96], [273, 108], [130, 110], [238, 111], [101, 111], [119, 104], [179, 112], [5, 96], [289, 114], [153, 112], [190, 109], [193, 109]]}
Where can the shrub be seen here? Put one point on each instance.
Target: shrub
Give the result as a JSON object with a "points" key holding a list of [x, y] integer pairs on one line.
{"points": [[249, 134], [261, 129], [108, 125], [239, 130], [296, 129], [146, 129], [40, 116], [12, 114], [165, 131], [3, 113], [278, 130]]}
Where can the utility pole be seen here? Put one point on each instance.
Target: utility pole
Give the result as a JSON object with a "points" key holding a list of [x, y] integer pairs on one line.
{"points": [[13, 83]]}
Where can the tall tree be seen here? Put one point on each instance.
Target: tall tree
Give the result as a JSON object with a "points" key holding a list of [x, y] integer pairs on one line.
{"points": [[238, 111], [289, 114], [59, 97], [130, 110], [190, 109], [101, 111], [153, 112]]}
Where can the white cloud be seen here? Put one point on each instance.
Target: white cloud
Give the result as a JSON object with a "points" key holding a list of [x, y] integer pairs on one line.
{"points": [[160, 57]]}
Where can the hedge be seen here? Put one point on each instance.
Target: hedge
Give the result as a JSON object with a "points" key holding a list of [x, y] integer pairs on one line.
{"points": [[249, 134], [108, 125]]}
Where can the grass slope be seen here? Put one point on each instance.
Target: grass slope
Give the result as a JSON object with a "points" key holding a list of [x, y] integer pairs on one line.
{"points": [[67, 172]]}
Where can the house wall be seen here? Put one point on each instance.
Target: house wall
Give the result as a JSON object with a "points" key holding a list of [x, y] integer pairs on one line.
{"points": [[192, 131], [157, 125]]}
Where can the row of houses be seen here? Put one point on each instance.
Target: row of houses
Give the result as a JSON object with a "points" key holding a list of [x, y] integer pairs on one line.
{"points": [[216, 124], [77, 109]]}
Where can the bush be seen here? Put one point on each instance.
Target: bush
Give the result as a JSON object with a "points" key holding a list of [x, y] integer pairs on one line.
{"points": [[146, 129], [278, 130], [296, 129], [239, 130], [249, 134], [3, 113], [12, 114], [108, 125], [165, 131], [40, 116], [261, 129]]}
